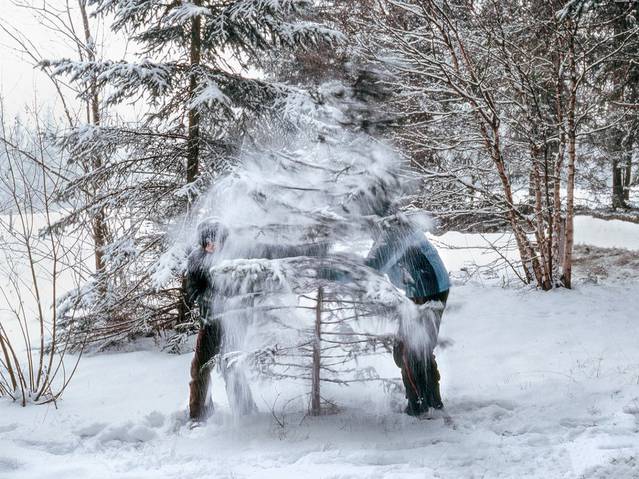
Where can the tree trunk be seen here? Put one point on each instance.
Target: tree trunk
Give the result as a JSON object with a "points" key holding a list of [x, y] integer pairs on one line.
{"points": [[618, 197], [193, 140], [193, 146], [558, 224], [570, 181], [99, 226], [549, 213], [316, 406], [627, 178], [540, 226]]}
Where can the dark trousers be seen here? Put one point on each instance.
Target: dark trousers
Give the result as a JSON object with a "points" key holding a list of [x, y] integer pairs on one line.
{"points": [[419, 372], [207, 345]]}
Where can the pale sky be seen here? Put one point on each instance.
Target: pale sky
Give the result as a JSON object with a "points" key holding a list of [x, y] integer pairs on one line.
{"points": [[17, 79], [20, 84]]}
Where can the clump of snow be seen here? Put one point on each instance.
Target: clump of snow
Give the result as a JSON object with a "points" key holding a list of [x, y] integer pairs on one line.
{"points": [[209, 94], [181, 14], [128, 433]]}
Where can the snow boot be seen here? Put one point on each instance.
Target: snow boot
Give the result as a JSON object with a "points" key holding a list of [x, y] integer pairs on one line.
{"points": [[433, 395], [414, 409]]}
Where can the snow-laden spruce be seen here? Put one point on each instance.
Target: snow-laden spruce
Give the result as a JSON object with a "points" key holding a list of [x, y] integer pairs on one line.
{"points": [[289, 303], [194, 98]]}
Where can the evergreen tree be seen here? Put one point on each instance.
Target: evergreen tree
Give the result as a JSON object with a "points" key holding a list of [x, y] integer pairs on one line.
{"points": [[615, 82], [193, 79]]}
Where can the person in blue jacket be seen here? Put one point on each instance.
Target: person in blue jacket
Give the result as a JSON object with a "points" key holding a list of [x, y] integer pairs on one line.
{"points": [[413, 265]]}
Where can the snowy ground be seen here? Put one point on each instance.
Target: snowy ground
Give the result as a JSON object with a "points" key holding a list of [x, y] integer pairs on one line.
{"points": [[537, 385]]}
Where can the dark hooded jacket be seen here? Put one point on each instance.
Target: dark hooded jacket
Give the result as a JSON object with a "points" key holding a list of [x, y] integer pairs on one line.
{"points": [[198, 284], [410, 261]]}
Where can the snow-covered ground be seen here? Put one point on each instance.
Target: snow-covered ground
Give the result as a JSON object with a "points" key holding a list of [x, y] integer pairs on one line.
{"points": [[536, 385]]}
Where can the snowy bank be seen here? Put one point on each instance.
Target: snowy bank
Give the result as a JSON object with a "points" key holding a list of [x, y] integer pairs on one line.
{"points": [[468, 253], [537, 385]]}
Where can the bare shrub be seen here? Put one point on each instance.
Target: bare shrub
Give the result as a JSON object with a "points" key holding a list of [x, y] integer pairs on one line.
{"points": [[35, 264]]}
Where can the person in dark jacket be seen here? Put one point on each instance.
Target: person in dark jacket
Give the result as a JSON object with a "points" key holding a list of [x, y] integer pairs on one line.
{"points": [[199, 291], [414, 266]]}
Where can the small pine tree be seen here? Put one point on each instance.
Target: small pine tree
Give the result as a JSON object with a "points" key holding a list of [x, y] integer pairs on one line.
{"points": [[297, 307]]}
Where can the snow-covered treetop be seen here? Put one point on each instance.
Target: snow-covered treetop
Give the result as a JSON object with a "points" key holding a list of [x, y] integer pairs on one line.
{"points": [[242, 32], [244, 27], [308, 181], [318, 182]]}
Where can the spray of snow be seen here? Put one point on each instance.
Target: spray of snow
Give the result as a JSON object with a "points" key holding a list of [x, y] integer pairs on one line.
{"points": [[289, 205]]}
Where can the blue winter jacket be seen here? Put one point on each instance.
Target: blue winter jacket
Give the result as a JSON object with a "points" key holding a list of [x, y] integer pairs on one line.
{"points": [[411, 263]]}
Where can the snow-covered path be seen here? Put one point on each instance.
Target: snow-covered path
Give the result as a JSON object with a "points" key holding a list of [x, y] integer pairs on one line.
{"points": [[538, 385]]}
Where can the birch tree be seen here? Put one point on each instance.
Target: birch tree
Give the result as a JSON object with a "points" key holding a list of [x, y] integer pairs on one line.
{"points": [[492, 106]]}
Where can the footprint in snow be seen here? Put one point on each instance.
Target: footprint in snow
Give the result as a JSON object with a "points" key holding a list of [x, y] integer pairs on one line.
{"points": [[625, 467], [128, 432], [8, 464], [632, 408], [154, 419], [8, 427], [91, 430]]}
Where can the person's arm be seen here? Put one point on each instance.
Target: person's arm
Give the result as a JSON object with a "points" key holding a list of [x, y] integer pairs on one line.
{"points": [[375, 258], [196, 280], [272, 251], [436, 264]]}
